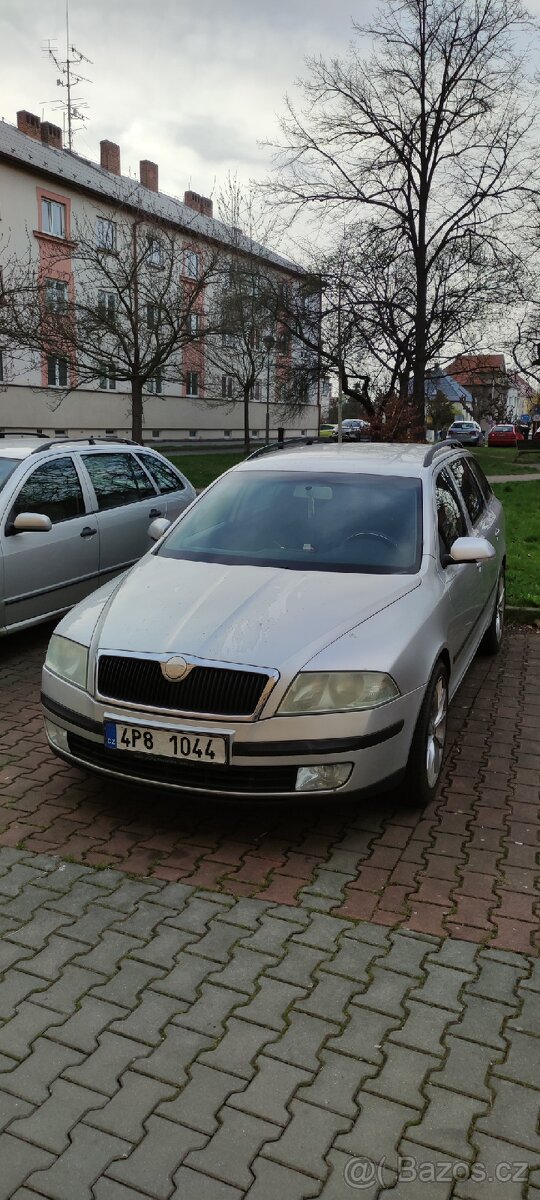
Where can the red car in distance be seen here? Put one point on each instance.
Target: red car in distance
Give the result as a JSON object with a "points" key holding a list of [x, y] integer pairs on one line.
{"points": [[504, 435]]}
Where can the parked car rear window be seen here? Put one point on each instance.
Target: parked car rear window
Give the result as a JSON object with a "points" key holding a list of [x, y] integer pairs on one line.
{"points": [[469, 488], [118, 479], [322, 522], [163, 476], [52, 489], [7, 467]]}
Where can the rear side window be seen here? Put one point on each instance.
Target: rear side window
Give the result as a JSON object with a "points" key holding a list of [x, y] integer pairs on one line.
{"points": [[450, 519], [164, 478], [481, 480], [52, 489], [469, 488], [118, 479]]}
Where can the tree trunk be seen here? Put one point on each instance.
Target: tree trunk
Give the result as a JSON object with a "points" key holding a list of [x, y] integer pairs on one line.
{"points": [[418, 414], [247, 394], [136, 410]]}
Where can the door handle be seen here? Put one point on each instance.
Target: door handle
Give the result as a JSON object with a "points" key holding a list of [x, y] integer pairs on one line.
{"points": [[88, 531], [155, 512]]}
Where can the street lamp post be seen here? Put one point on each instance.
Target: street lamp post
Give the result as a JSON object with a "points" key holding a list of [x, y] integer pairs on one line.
{"points": [[269, 343]]}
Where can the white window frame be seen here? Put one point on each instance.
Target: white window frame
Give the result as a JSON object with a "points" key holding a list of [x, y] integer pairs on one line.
{"points": [[154, 255], [154, 385], [194, 323], [107, 380], [53, 218], [256, 392], [60, 366], [190, 377], [152, 316], [56, 295], [228, 340], [191, 264], [227, 387], [105, 234], [107, 304]]}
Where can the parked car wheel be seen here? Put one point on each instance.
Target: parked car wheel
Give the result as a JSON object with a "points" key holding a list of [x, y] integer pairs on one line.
{"points": [[492, 639], [429, 740]]}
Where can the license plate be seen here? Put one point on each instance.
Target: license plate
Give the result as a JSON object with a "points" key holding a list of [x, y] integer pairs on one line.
{"points": [[166, 743]]}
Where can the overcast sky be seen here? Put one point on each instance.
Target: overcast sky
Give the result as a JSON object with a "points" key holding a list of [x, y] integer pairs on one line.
{"points": [[194, 87]]}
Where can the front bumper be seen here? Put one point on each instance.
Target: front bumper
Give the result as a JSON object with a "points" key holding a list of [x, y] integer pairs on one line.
{"points": [[265, 756]]}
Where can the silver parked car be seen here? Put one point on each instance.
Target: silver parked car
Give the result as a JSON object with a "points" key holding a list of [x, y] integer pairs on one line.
{"points": [[301, 629], [73, 514], [468, 433]]}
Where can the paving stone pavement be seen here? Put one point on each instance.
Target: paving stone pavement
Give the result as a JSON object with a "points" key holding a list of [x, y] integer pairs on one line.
{"points": [[161, 1040], [465, 867]]}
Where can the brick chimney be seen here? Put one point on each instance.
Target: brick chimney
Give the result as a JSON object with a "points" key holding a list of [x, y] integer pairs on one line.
{"points": [[29, 124], [110, 157], [200, 204], [149, 175], [51, 135]]}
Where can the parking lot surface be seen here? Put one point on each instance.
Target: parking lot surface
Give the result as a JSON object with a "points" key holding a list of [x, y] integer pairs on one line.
{"points": [[201, 1002]]}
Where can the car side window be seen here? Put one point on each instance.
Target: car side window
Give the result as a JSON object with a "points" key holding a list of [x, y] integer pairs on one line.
{"points": [[163, 476], [53, 489], [118, 479], [469, 488], [450, 519], [483, 483]]}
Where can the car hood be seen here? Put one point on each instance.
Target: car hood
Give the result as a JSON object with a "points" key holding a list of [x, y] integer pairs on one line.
{"points": [[261, 616]]}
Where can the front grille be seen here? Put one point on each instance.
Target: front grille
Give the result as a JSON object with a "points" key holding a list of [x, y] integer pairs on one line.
{"points": [[219, 691], [207, 777]]}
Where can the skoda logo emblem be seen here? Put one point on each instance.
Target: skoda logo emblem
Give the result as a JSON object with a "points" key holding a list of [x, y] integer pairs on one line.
{"points": [[175, 669]]}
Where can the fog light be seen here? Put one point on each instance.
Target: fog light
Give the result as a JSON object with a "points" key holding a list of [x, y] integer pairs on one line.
{"points": [[57, 737], [323, 777]]}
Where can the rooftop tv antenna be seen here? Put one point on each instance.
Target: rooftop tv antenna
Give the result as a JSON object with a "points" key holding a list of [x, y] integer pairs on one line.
{"points": [[69, 78]]}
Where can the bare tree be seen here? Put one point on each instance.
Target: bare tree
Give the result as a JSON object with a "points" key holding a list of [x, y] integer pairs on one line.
{"points": [[430, 134], [119, 307]]}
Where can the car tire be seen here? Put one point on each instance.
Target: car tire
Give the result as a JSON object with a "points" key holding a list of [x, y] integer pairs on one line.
{"points": [[426, 755], [492, 639]]}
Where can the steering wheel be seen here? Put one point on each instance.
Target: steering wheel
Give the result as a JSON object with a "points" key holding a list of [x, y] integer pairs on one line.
{"points": [[366, 533]]}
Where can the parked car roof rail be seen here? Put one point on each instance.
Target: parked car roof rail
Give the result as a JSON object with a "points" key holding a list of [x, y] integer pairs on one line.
{"points": [[447, 444], [273, 446], [89, 441]]}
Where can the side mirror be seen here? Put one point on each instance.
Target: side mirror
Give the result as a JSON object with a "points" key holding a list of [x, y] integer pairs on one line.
{"points": [[158, 528], [32, 523], [471, 549]]}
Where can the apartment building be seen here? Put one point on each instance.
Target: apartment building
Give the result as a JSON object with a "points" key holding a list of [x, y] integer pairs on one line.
{"points": [[48, 195]]}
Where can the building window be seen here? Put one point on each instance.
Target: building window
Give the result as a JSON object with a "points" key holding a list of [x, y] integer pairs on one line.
{"points": [[155, 384], [227, 387], [1, 366], [256, 392], [194, 324], [303, 432], [255, 433], [2, 293], [191, 264], [283, 393], [284, 343], [192, 383], [227, 340], [227, 433], [111, 432], [156, 433], [152, 315], [57, 371], [60, 433], [106, 305], [105, 234], [56, 295], [107, 379], [53, 218], [155, 252], [194, 433], [255, 338]]}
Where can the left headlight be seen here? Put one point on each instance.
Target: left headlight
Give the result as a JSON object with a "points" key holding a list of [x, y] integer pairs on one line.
{"points": [[67, 659], [338, 691]]}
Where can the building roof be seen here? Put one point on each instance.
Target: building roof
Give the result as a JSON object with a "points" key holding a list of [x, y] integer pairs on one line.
{"points": [[71, 169], [438, 381], [476, 370]]}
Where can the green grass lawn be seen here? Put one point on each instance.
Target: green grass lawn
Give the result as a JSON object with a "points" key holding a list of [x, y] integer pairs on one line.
{"points": [[521, 503], [202, 469], [504, 461]]}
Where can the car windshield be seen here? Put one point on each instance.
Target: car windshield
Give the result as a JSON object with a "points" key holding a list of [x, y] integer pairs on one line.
{"points": [[322, 522], [7, 466]]}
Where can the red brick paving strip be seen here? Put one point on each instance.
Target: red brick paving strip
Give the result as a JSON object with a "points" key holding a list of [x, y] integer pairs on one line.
{"points": [[466, 867]]}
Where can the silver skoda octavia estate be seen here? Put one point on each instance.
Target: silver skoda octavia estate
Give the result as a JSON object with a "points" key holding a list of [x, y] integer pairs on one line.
{"points": [[300, 629]]}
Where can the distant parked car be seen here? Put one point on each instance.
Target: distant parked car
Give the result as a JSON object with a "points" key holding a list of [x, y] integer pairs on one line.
{"points": [[468, 433], [353, 429], [73, 514], [504, 435], [327, 432]]}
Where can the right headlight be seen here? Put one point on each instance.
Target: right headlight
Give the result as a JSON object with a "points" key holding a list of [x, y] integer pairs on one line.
{"points": [[67, 659], [338, 691]]}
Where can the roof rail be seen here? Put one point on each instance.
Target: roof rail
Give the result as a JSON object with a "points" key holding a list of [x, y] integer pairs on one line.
{"points": [[447, 444], [271, 447], [90, 441]]}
